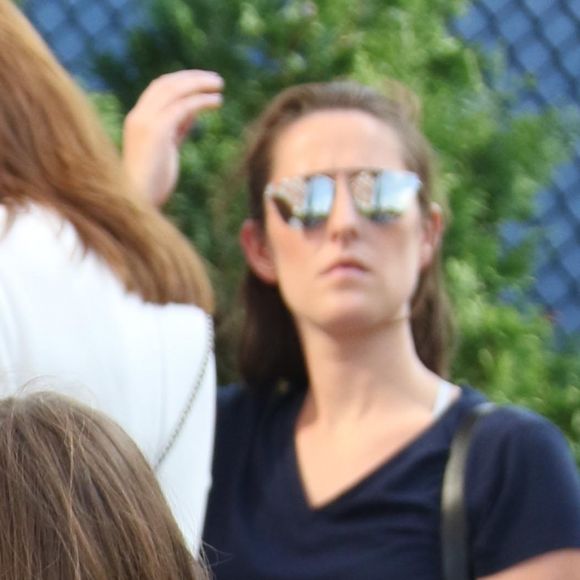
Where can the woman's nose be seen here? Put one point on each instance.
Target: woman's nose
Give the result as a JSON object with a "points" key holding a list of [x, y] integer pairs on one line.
{"points": [[344, 218]]}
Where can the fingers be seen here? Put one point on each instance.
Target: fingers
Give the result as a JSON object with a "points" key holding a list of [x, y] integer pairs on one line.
{"points": [[170, 104], [168, 88], [183, 113]]}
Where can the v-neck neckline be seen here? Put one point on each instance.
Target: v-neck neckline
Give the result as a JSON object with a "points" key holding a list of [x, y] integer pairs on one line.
{"points": [[366, 479]]}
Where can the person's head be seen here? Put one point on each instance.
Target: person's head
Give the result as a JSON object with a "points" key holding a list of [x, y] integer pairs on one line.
{"points": [[54, 152], [78, 501], [350, 238]]}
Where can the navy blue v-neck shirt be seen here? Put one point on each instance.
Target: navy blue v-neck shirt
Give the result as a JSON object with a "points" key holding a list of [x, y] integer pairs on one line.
{"points": [[523, 498]]}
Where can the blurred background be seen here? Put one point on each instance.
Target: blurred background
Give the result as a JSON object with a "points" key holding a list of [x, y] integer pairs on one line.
{"points": [[537, 38], [500, 86]]}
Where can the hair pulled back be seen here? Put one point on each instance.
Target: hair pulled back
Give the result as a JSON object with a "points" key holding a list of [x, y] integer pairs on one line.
{"points": [[270, 348]]}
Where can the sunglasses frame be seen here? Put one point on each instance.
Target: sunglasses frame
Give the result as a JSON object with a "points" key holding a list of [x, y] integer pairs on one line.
{"points": [[284, 196]]}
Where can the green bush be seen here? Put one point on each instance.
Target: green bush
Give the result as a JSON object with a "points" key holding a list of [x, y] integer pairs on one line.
{"points": [[491, 161]]}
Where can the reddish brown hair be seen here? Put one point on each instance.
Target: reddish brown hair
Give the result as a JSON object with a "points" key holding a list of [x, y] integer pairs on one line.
{"points": [[54, 152]]}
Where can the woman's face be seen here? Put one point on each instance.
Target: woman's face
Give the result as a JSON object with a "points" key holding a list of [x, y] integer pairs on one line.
{"points": [[346, 272]]}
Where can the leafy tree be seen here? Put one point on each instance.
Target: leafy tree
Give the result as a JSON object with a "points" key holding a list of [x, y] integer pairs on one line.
{"points": [[491, 161]]}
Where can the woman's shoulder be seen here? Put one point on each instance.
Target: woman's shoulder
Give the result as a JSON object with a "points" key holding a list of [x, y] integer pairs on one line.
{"points": [[520, 444], [238, 396], [236, 401], [516, 422], [231, 395], [521, 482], [510, 426], [242, 408], [511, 434], [39, 234], [506, 420], [515, 448], [236, 421], [28, 214]]}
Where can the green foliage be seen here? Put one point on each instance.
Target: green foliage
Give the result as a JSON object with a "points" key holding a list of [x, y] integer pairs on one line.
{"points": [[491, 162]]}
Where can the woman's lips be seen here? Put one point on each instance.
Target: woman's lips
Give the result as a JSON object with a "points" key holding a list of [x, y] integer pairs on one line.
{"points": [[346, 266]]}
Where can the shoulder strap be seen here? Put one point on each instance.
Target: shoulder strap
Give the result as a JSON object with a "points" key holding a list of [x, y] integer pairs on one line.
{"points": [[454, 524], [190, 399]]}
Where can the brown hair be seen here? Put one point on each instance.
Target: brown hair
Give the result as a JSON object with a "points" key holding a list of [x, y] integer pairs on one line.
{"points": [[78, 500], [54, 152], [270, 347]]}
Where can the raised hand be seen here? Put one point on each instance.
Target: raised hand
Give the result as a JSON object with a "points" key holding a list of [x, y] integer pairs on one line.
{"points": [[157, 125]]}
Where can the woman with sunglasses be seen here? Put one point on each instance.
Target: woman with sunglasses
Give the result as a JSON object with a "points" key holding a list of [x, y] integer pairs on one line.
{"points": [[330, 455]]}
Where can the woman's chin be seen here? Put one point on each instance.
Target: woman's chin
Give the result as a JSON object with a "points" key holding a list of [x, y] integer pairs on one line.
{"points": [[356, 320]]}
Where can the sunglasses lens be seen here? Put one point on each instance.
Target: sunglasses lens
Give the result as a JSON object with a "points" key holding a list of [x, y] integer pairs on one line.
{"points": [[385, 195], [303, 202], [318, 200]]}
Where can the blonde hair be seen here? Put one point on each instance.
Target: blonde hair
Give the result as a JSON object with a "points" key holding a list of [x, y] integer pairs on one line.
{"points": [[78, 501], [54, 152]]}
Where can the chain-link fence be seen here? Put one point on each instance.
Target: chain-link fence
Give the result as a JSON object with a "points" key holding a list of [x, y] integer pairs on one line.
{"points": [[539, 37], [78, 29]]}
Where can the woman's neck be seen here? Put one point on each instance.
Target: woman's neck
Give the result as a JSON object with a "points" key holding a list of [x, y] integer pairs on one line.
{"points": [[357, 375]]}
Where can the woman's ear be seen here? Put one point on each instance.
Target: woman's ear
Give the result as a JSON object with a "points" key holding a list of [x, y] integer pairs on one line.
{"points": [[257, 251], [433, 227]]}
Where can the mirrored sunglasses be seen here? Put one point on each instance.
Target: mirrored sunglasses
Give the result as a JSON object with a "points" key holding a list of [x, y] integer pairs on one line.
{"points": [[379, 195]]}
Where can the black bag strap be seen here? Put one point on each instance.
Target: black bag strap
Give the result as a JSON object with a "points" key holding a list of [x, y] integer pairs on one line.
{"points": [[454, 525]]}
